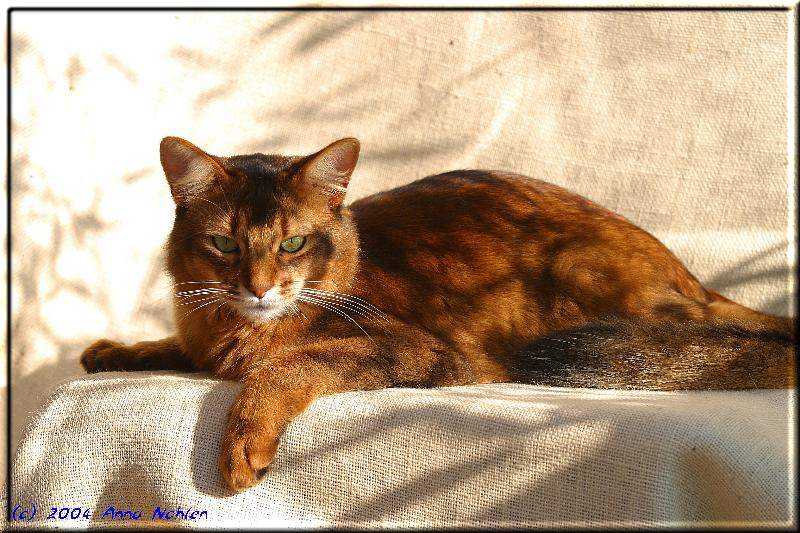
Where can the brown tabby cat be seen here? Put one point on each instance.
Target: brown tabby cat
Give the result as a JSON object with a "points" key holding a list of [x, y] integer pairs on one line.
{"points": [[465, 277]]}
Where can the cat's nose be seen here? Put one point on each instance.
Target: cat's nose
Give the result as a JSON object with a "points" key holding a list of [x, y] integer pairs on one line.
{"points": [[259, 290], [258, 278]]}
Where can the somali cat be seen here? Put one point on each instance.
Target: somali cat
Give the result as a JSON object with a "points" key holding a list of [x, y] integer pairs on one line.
{"points": [[464, 277]]}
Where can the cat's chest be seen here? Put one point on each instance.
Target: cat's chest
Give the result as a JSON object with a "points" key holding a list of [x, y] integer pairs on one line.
{"points": [[232, 352]]}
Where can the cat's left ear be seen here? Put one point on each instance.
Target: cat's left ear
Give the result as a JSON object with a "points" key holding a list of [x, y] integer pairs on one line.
{"points": [[330, 168]]}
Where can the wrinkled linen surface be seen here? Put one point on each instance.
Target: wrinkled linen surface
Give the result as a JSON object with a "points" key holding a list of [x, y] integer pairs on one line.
{"points": [[676, 120], [487, 455]]}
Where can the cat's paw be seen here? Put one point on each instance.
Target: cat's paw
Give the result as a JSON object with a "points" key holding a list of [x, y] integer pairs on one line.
{"points": [[101, 355], [247, 450]]}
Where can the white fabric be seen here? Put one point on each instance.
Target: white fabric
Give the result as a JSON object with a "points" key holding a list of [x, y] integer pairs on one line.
{"points": [[677, 120], [489, 455]]}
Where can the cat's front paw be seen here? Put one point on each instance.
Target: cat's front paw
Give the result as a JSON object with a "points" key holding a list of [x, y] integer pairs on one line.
{"points": [[101, 355], [248, 448]]}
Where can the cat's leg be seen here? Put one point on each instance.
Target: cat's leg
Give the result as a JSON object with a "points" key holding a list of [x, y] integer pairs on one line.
{"points": [[106, 355], [280, 390], [256, 420]]}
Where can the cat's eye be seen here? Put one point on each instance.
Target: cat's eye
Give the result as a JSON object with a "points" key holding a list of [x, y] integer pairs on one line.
{"points": [[293, 244], [224, 244]]}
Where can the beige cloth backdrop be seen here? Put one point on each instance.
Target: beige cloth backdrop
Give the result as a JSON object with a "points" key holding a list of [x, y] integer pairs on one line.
{"points": [[676, 120]]}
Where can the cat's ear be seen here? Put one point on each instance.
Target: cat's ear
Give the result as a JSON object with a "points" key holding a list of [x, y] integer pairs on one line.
{"points": [[189, 169], [330, 168]]}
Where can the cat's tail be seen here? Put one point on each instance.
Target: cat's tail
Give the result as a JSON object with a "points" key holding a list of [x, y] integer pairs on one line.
{"points": [[735, 348]]}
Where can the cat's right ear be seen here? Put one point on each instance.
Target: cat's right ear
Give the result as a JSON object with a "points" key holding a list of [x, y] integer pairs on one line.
{"points": [[189, 170]]}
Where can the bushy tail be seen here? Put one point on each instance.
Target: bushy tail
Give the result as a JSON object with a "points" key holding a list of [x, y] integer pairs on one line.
{"points": [[734, 349]]}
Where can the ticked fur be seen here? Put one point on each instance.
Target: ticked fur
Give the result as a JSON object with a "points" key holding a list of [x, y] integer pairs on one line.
{"points": [[464, 277]]}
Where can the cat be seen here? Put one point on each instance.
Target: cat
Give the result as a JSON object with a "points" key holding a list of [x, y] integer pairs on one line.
{"points": [[464, 277]]}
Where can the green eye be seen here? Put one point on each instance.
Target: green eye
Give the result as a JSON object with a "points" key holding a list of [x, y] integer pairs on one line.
{"points": [[293, 244], [224, 244]]}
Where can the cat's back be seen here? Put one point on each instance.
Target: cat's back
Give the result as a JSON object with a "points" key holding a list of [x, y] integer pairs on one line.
{"points": [[474, 244], [482, 203]]}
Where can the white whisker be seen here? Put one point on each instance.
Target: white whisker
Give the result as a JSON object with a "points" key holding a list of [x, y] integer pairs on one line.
{"points": [[201, 291], [296, 307], [331, 307], [186, 315], [188, 282], [217, 307], [340, 301], [354, 300], [196, 301]]}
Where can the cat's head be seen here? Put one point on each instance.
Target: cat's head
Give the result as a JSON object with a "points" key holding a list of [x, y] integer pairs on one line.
{"points": [[251, 230]]}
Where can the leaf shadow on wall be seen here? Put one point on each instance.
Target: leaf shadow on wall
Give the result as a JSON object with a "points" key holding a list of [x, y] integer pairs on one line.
{"points": [[757, 269]]}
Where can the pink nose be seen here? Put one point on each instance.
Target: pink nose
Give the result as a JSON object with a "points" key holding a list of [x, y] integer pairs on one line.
{"points": [[258, 290]]}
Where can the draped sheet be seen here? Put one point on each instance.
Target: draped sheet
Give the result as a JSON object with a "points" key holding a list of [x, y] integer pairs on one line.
{"points": [[487, 455]]}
